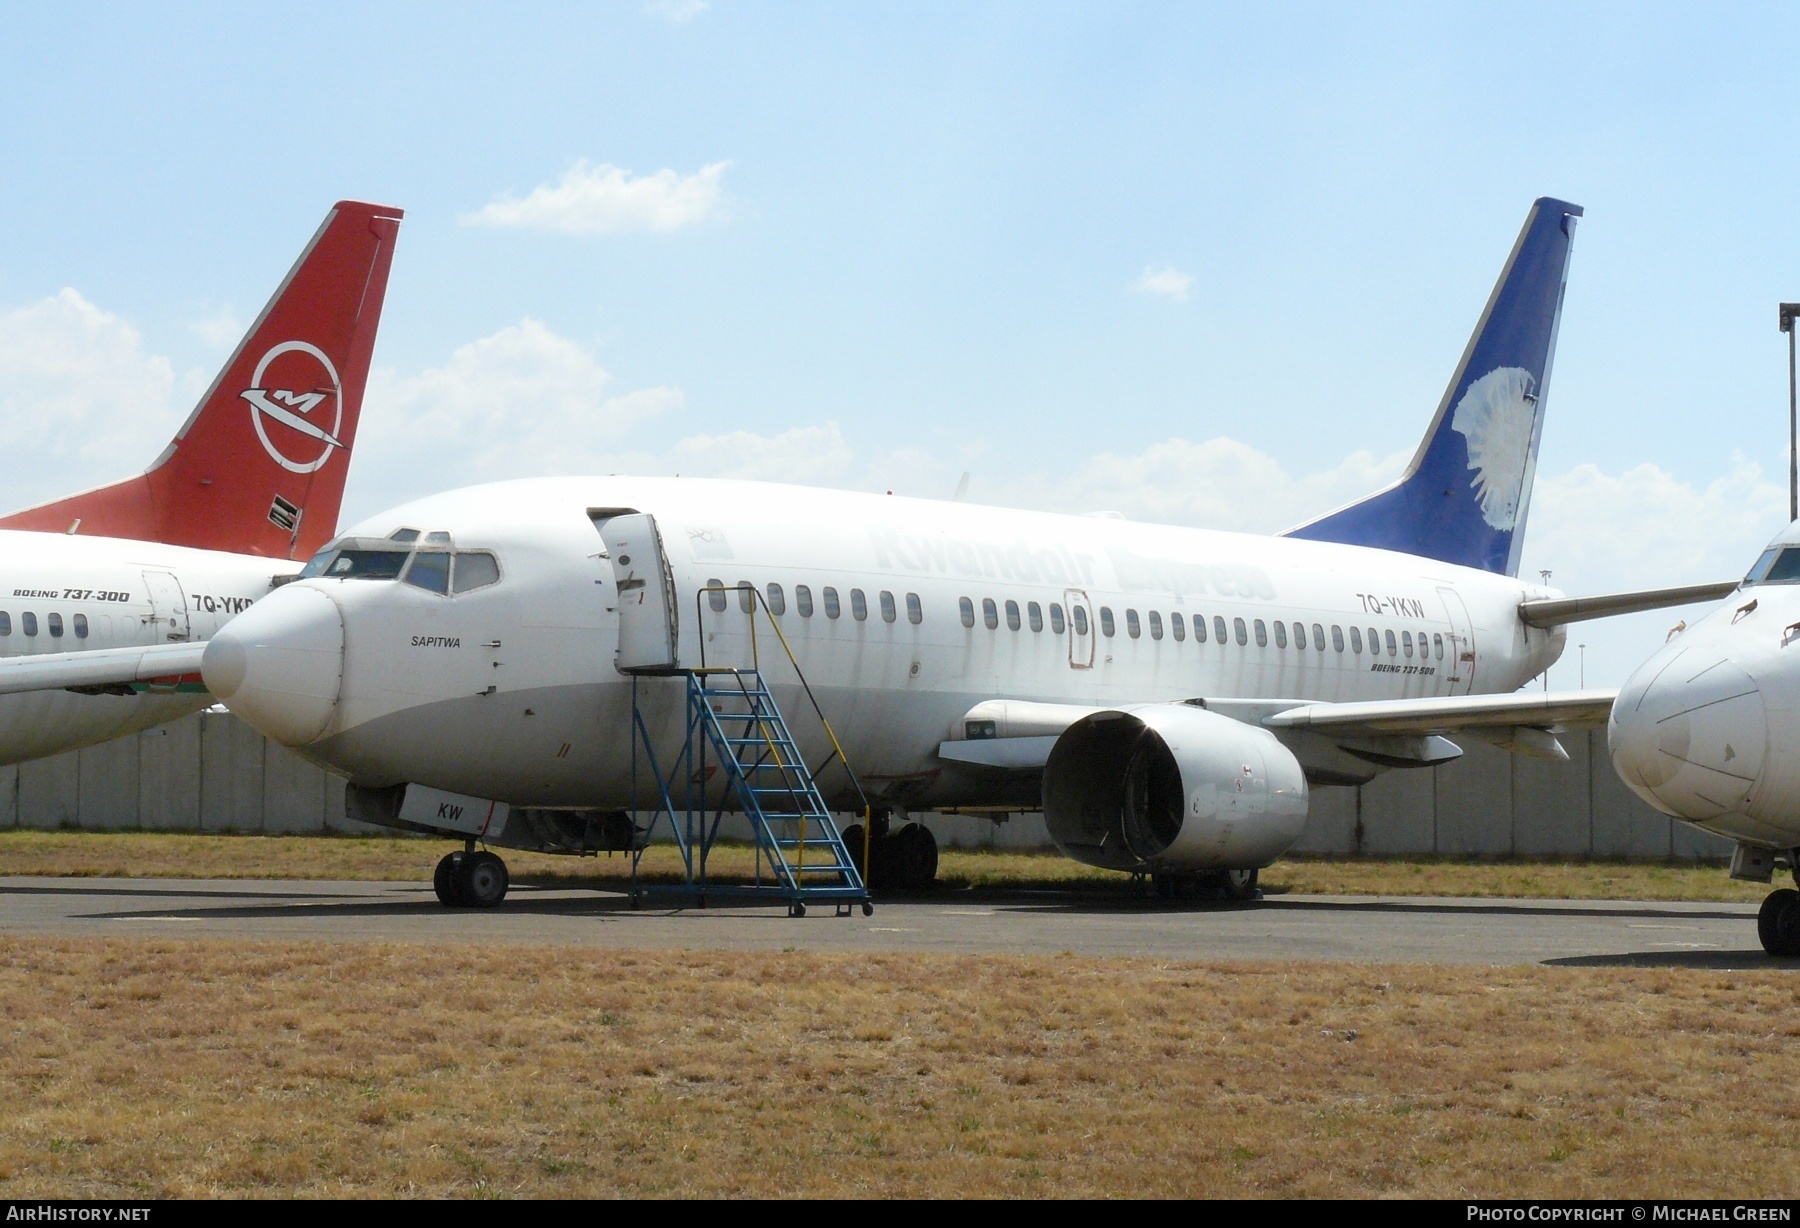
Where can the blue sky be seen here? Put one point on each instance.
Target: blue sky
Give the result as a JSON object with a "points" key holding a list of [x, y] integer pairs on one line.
{"points": [[1203, 265]]}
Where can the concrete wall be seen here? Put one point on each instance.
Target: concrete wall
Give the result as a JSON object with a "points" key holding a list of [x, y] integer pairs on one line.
{"points": [[211, 772]]}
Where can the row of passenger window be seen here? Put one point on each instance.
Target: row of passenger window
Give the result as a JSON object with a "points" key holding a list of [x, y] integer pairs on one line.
{"points": [[1033, 616], [803, 601], [53, 623]]}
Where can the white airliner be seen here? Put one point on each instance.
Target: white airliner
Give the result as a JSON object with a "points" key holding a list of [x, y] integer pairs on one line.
{"points": [[1164, 695], [106, 597], [1708, 730]]}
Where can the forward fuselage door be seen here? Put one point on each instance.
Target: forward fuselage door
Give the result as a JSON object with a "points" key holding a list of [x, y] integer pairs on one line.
{"points": [[1459, 665], [1081, 629], [168, 608], [648, 630]]}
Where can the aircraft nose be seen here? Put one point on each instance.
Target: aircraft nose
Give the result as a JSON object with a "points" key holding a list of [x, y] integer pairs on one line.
{"points": [[1689, 735], [279, 664]]}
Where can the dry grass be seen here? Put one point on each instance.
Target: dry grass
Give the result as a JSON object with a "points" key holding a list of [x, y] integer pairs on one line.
{"points": [[172, 855], [165, 1068]]}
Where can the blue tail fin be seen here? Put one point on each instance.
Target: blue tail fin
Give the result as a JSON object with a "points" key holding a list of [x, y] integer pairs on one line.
{"points": [[1464, 497]]}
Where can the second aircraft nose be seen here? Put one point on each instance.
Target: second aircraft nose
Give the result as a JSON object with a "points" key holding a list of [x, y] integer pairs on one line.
{"points": [[279, 665], [1689, 735]]}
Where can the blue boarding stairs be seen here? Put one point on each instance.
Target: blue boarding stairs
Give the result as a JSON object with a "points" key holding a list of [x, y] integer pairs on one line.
{"points": [[735, 728]]}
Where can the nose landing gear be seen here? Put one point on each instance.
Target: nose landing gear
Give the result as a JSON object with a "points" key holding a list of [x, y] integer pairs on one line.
{"points": [[470, 879]]}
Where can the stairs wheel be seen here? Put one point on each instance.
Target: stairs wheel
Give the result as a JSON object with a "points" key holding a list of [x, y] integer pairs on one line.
{"points": [[444, 881], [796, 909], [481, 879], [868, 909]]}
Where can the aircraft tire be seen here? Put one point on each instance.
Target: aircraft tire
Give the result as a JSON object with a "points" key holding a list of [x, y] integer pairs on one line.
{"points": [[853, 844], [482, 880], [1239, 884], [1778, 922], [446, 881], [916, 853]]}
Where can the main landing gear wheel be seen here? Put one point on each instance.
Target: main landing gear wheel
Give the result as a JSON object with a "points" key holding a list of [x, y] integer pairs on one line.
{"points": [[1239, 884], [905, 860], [1778, 922], [470, 880]]}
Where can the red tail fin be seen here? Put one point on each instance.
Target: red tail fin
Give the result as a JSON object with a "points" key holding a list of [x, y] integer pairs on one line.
{"points": [[259, 466]]}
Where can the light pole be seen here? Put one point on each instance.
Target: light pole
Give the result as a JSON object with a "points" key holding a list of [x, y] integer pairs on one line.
{"points": [[1788, 312]]}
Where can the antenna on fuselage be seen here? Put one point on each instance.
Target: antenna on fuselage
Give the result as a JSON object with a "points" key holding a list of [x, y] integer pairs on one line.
{"points": [[962, 489]]}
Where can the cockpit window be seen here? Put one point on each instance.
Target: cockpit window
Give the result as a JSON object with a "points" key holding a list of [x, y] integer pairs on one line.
{"points": [[1780, 565], [404, 535], [366, 565], [437, 537], [430, 571], [475, 569]]}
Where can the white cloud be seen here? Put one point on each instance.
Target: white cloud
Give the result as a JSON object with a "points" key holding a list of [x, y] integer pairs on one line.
{"points": [[220, 330], [1168, 281], [679, 12], [593, 199], [80, 400], [523, 401]]}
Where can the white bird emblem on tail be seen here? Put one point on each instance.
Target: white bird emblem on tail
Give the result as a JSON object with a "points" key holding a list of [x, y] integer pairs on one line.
{"points": [[1498, 417]]}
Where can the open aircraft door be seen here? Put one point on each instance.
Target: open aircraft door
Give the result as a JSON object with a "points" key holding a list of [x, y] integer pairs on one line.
{"points": [[1459, 663], [648, 619]]}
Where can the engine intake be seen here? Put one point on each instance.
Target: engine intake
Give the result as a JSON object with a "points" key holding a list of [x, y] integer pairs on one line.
{"points": [[1171, 787]]}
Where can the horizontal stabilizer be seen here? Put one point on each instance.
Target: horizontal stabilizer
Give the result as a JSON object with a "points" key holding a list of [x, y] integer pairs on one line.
{"points": [[1578, 609], [99, 667], [1462, 713]]}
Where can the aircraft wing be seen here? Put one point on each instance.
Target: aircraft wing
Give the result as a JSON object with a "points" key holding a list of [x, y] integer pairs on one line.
{"points": [[100, 667]]}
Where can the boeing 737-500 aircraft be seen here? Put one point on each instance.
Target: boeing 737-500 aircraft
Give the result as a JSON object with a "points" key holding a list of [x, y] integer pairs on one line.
{"points": [[107, 597], [1708, 730], [1164, 695]]}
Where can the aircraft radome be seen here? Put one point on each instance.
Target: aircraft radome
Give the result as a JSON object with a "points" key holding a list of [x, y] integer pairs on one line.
{"points": [[1166, 696], [107, 596], [1708, 730]]}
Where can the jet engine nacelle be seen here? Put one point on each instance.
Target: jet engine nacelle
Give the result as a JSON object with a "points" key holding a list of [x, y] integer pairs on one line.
{"points": [[1172, 787]]}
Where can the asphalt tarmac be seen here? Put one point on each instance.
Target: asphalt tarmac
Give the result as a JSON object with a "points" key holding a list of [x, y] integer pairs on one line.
{"points": [[1360, 929]]}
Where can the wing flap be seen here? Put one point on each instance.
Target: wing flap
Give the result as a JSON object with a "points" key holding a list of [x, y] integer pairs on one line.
{"points": [[1420, 717]]}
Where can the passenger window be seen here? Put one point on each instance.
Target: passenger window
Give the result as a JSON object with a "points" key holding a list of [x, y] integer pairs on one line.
{"points": [[1243, 632], [1374, 642], [1390, 644], [967, 608], [715, 595], [888, 611], [803, 600], [1081, 620], [1178, 624], [777, 599], [1280, 634], [1262, 634], [1406, 642], [1356, 641], [474, 569], [746, 592], [1199, 628], [1131, 624], [56, 627], [1012, 616], [81, 627], [859, 605], [1337, 638], [1299, 635], [1155, 625], [832, 608], [1056, 617], [1437, 644], [1034, 614], [28, 622], [990, 613], [5, 623], [1319, 638], [915, 613], [430, 570]]}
